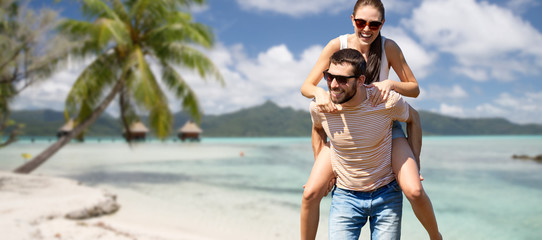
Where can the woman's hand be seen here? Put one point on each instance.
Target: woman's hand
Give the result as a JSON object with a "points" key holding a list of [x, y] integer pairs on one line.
{"points": [[383, 91], [323, 101]]}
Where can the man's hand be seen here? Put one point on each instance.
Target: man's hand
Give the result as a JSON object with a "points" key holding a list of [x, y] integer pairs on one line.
{"points": [[323, 101]]}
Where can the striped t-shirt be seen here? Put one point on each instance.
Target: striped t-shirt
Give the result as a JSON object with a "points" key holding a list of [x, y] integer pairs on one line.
{"points": [[361, 141]]}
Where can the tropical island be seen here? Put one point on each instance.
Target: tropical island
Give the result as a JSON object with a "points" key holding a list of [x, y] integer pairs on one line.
{"points": [[268, 120]]}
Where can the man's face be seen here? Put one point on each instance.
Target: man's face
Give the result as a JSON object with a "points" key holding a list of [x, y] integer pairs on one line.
{"points": [[341, 91]]}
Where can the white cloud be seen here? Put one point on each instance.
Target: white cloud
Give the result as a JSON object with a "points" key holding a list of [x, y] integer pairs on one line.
{"points": [[474, 73], [305, 7], [296, 8], [518, 109], [490, 110], [399, 6], [439, 92], [530, 103], [419, 59], [451, 110], [275, 74], [50, 94], [488, 41]]}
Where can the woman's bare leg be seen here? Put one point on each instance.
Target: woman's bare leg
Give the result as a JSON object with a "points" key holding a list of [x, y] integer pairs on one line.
{"points": [[315, 189], [407, 175]]}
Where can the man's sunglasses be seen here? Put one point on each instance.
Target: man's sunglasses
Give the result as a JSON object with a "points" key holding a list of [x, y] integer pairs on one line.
{"points": [[360, 23], [340, 79]]}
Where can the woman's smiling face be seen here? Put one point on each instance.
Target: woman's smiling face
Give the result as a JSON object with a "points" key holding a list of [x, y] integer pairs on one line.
{"points": [[371, 17]]}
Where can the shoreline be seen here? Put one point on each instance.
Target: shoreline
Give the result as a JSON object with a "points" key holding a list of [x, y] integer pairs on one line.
{"points": [[38, 207], [35, 207]]}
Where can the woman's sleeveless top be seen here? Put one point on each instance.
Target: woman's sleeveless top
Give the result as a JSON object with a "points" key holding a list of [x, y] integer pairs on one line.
{"points": [[384, 69]]}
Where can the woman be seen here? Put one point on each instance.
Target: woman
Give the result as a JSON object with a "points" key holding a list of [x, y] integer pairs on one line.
{"points": [[380, 54]]}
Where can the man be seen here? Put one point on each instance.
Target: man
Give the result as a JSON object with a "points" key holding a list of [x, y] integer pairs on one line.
{"points": [[360, 142]]}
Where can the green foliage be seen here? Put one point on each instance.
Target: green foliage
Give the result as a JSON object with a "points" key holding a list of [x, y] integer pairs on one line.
{"points": [[30, 51], [125, 36], [265, 120]]}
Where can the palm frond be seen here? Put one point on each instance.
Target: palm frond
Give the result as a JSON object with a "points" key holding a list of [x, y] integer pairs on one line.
{"points": [[161, 120], [201, 35], [142, 81], [180, 28], [75, 27], [138, 30], [191, 104], [89, 86], [116, 29], [137, 9], [120, 10], [182, 91], [184, 29], [148, 94], [92, 39], [190, 58], [97, 36]]}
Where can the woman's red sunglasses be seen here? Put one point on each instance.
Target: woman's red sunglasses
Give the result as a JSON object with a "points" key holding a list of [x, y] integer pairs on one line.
{"points": [[360, 23]]}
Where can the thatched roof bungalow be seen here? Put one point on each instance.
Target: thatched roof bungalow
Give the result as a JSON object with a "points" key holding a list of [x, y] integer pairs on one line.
{"points": [[189, 131], [138, 132], [65, 129]]}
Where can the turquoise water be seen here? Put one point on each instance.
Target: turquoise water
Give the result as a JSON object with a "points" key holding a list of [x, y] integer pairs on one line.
{"points": [[478, 191]]}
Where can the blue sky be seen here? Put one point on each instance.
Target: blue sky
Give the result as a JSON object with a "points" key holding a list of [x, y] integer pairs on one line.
{"points": [[471, 58]]}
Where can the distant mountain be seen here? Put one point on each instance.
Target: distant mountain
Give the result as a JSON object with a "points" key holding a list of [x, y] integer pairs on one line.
{"points": [[436, 124], [270, 120], [264, 120], [47, 123]]}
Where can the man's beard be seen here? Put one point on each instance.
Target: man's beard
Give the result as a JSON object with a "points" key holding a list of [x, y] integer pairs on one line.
{"points": [[347, 98]]}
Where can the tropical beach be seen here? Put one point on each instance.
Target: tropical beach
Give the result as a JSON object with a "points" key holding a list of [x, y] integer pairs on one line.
{"points": [[207, 190], [44, 207], [183, 119]]}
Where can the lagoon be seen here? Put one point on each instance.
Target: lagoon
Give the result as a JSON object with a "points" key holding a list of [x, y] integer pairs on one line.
{"points": [[250, 188]]}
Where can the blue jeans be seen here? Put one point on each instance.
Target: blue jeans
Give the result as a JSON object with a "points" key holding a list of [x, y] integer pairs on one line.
{"points": [[397, 130], [351, 209]]}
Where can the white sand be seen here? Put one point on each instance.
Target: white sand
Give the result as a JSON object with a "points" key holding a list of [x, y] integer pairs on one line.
{"points": [[34, 207], [203, 210]]}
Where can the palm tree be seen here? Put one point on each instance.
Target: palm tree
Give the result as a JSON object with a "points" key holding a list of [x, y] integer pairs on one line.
{"points": [[125, 37]]}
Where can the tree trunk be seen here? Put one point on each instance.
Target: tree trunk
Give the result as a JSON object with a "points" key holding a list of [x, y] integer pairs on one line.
{"points": [[127, 132], [47, 153]]}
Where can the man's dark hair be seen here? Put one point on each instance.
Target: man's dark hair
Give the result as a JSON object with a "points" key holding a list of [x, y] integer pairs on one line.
{"points": [[351, 56]]}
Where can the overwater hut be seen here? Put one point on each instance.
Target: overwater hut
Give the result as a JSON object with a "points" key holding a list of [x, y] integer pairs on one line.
{"points": [[138, 132], [66, 129], [190, 131]]}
